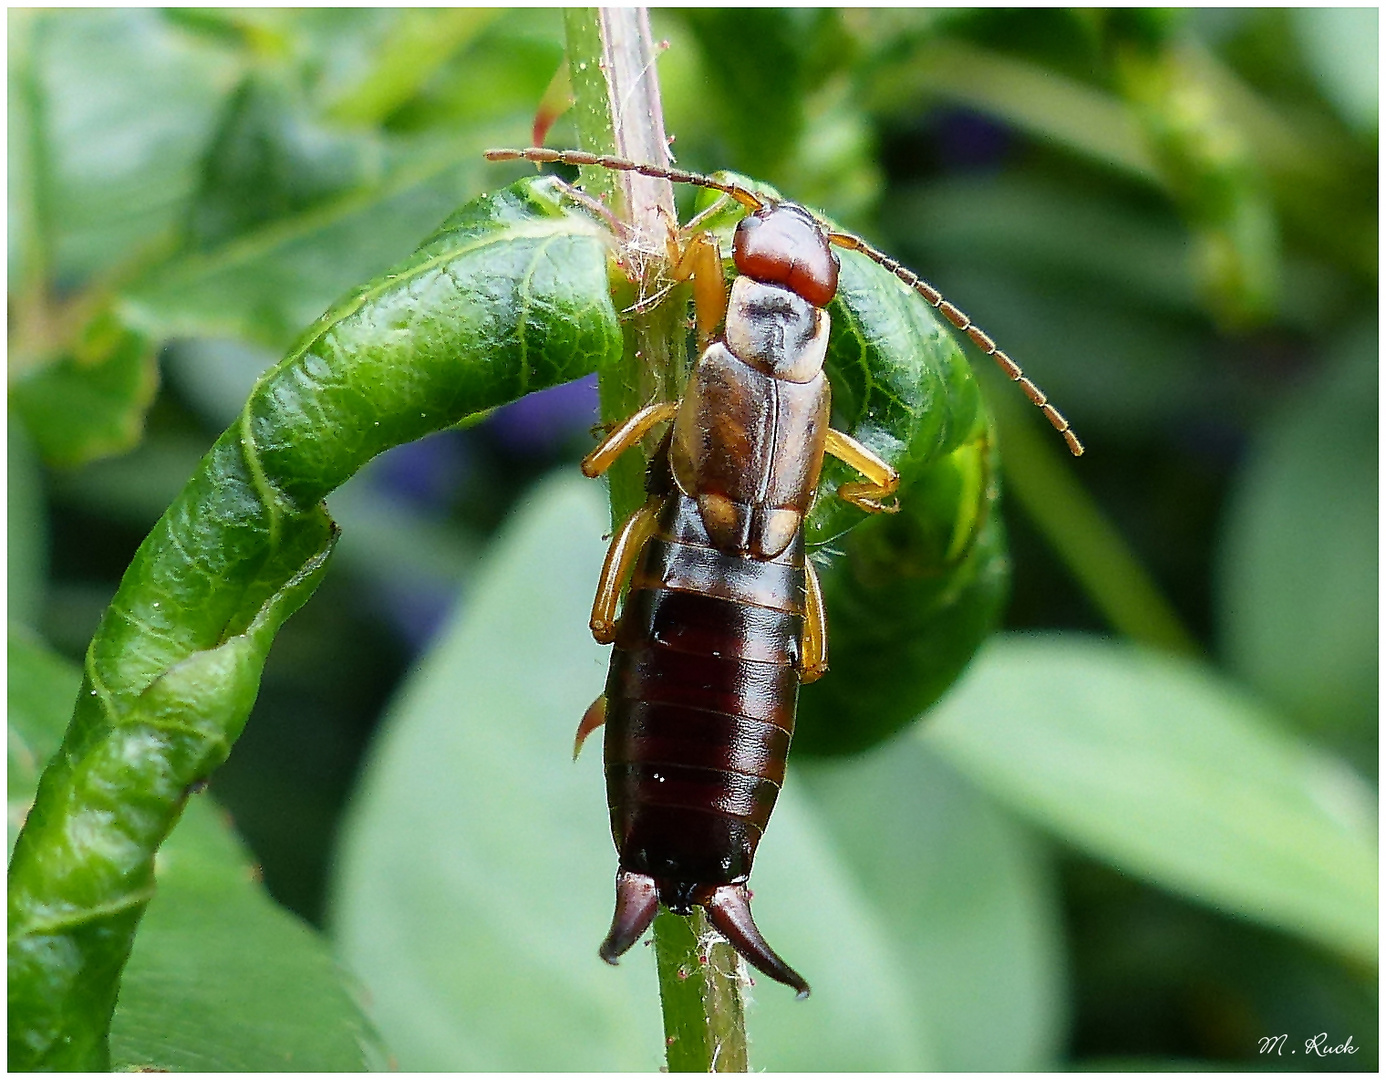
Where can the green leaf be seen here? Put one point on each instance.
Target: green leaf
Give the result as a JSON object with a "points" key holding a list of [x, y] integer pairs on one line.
{"points": [[264, 286], [83, 870], [901, 386], [966, 897], [913, 594], [26, 528], [120, 105], [477, 869], [39, 692], [268, 160], [222, 979], [1166, 771], [511, 295], [907, 606], [1299, 562], [91, 402], [1340, 46]]}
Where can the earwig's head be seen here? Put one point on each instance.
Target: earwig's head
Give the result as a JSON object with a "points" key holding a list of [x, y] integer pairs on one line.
{"points": [[781, 244]]}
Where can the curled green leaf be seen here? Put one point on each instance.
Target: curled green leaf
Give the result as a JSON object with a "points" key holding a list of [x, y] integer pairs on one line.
{"points": [[913, 594]]}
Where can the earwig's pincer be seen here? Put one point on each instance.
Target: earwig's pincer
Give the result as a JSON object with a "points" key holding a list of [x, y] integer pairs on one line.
{"points": [[729, 909], [637, 903], [722, 618]]}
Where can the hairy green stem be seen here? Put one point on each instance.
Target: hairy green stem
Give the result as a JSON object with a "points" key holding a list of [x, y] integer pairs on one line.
{"points": [[704, 1019], [618, 111]]}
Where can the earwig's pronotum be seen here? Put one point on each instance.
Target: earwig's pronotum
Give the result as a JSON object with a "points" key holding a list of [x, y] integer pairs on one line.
{"points": [[723, 618]]}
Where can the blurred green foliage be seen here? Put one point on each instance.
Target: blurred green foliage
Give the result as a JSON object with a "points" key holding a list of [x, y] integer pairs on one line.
{"points": [[1090, 854]]}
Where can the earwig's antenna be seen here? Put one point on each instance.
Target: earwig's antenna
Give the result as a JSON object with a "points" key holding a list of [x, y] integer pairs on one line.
{"points": [[543, 155], [968, 327]]}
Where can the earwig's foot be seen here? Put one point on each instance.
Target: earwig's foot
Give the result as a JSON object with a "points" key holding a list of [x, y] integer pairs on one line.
{"points": [[593, 718], [603, 631], [867, 497], [637, 902], [729, 910]]}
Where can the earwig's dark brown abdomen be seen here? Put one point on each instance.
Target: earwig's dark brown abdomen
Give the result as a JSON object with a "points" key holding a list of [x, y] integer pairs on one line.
{"points": [[700, 705]]}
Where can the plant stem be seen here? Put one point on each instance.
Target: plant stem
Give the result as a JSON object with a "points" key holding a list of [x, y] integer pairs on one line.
{"points": [[704, 1021], [617, 111]]}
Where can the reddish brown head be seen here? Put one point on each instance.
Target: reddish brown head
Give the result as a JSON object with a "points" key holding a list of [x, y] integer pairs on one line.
{"points": [[781, 244]]}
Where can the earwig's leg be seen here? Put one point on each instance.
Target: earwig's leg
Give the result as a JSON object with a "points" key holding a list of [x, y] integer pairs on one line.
{"points": [[881, 479], [729, 909], [595, 206], [813, 661], [631, 431], [625, 545], [696, 222], [541, 155], [637, 902], [700, 260], [593, 718]]}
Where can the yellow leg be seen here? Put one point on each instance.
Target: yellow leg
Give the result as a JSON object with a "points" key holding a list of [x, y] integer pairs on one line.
{"points": [[631, 431], [700, 261], [881, 479], [813, 662], [625, 546]]}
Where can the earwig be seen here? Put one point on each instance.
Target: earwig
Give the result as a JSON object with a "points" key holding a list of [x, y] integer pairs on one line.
{"points": [[723, 616]]}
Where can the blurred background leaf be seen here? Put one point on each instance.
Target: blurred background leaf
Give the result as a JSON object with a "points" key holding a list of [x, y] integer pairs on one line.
{"points": [[1162, 770], [90, 403], [967, 896], [1338, 49], [26, 530], [207, 181], [1298, 609]]}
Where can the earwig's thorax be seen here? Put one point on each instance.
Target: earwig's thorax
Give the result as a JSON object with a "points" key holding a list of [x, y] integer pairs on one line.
{"points": [[776, 331], [781, 244]]}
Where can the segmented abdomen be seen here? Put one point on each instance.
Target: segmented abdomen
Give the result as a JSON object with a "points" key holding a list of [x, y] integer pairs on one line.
{"points": [[700, 702]]}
